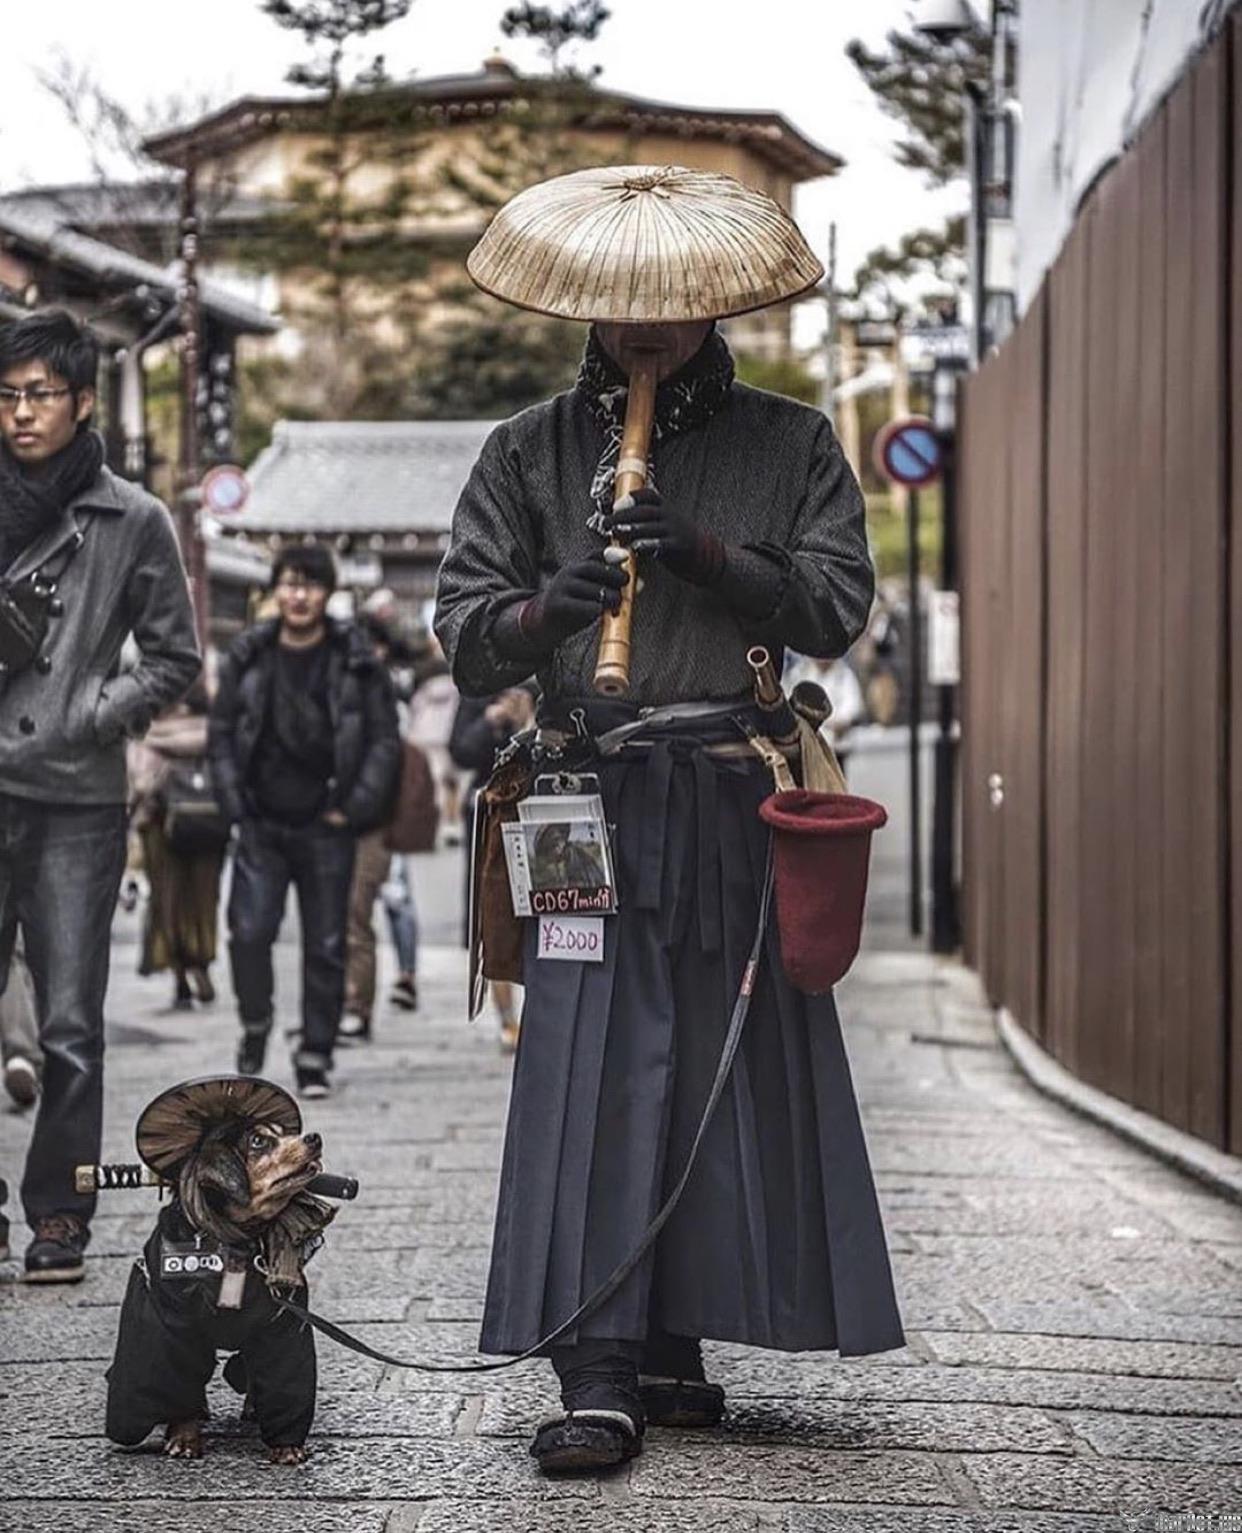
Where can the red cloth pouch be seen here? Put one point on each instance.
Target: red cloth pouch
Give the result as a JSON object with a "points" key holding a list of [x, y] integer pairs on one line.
{"points": [[821, 852]]}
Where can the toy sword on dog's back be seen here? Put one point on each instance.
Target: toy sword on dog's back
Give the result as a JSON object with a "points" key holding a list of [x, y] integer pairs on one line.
{"points": [[113, 1177]]}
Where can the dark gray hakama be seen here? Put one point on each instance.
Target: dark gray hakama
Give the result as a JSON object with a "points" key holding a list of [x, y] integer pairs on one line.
{"points": [[777, 1241]]}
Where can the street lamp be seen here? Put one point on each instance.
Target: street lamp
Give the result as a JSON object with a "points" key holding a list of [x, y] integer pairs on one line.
{"points": [[944, 20], [989, 118]]}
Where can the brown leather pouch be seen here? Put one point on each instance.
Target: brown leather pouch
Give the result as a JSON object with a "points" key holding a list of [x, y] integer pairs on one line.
{"points": [[495, 931]]}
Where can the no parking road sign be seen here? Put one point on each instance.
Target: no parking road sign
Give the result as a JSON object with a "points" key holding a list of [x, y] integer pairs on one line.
{"points": [[225, 489], [908, 452]]}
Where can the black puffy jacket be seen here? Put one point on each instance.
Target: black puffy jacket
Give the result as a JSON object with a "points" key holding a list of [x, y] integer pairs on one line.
{"points": [[364, 724]]}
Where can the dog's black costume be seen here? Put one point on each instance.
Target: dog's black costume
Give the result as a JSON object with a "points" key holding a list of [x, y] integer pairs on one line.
{"points": [[171, 1331]]}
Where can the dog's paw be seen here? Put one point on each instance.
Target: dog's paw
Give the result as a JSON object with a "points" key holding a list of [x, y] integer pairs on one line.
{"points": [[183, 1439], [288, 1454]]}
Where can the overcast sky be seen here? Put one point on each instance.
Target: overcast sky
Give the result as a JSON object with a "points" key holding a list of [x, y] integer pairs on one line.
{"points": [[783, 55]]}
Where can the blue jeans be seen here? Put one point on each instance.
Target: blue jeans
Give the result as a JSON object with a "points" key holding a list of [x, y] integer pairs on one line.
{"points": [[398, 897], [60, 868], [318, 860]]}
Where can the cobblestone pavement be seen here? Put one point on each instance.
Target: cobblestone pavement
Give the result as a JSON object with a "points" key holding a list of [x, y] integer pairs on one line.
{"points": [[1074, 1314]]}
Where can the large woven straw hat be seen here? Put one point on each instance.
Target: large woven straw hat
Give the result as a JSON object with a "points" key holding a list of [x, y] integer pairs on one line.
{"points": [[173, 1125], [643, 243]]}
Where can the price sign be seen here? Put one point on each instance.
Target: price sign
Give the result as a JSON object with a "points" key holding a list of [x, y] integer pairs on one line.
{"points": [[573, 939]]}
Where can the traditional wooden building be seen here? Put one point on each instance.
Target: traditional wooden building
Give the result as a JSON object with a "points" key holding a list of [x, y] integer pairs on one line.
{"points": [[257, 147]]}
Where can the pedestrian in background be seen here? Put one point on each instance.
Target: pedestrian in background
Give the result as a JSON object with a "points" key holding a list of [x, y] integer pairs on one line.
{"points": [[304, 756], [19, 1034], [183, 836], [377, 866], [432, 711], [88, 560]]}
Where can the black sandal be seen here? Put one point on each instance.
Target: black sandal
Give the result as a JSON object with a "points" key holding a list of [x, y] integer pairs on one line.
{"points": [[681, 1402], [572, 1441]]}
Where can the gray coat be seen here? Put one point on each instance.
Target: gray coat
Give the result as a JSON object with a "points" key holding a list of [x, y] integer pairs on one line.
{"points": [[63, 720]]}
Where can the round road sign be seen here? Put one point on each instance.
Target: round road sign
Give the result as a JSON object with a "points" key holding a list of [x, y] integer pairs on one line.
{"points": [[908, 451], [225, 489]]}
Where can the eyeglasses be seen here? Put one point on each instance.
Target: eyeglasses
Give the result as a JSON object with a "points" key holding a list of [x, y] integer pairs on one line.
{"points": [[299, 583], [36, 395]]}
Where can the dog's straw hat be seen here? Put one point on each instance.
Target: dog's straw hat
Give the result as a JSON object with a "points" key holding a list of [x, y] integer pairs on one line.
{"points": [[173, 1125], [643, 243]]}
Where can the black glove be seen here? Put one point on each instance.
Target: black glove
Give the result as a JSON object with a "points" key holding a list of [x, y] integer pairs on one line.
{"points": [[576, 597], [645, 524]]}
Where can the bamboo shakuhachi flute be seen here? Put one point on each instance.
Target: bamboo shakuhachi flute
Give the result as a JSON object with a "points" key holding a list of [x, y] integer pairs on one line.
{"points": [[612, 668]]}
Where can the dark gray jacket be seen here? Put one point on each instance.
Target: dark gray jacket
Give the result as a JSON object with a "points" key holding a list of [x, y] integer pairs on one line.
{"points": [[363, 710], [63, 720], [765, 474]]}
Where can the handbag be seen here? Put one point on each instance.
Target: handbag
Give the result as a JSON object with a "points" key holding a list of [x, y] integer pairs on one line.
{"points": [[496, 932], [193, 821], [23, 625], [26, 605], [416, 817]]}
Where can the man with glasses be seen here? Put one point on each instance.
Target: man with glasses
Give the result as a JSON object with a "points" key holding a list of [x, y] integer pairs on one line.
{"points": [[86, 560], [304, 756]]}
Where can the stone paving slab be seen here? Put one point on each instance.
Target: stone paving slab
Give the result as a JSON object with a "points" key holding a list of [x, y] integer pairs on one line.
{"points": [[845, 1424], [1192, 1441], [69, 1402], [156, 1516], [1010, 1480], [609, 1515], [897, 1519], [1115, 1320], [679, 1468], [235, 1469], [1057, 1371], [1169, 1360]]}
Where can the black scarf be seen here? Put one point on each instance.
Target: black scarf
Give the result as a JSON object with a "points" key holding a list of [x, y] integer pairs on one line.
{"points": [[687, 399], [31, 502]]}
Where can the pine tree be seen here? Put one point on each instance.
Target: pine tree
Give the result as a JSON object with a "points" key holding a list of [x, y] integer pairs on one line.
{"points": [[343, 245], [489, 359], [884, 279], [578, 22], [921, 82]]}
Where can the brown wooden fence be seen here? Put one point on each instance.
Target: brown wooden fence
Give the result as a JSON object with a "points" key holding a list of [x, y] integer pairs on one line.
{"points": [[1101, 523]]}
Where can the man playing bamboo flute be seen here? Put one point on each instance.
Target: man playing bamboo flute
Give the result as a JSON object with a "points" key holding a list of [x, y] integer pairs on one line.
{"points": [[751, 533]]}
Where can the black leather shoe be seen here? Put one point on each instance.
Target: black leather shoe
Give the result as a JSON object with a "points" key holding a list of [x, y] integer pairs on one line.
{"points": [[55, 1253], [252, 1050]]}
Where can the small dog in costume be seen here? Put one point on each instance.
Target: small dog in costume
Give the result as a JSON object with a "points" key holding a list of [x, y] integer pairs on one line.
{"points": [[238, 1231]]}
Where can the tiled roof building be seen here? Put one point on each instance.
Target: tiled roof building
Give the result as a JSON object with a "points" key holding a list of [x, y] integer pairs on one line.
{"points": [[381, 492]]}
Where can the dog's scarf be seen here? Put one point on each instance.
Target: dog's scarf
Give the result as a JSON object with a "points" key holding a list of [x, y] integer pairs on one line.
{"points": [[689, 398], [284, 1245]]}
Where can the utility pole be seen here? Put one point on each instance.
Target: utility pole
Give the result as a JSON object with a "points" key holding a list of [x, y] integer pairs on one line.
{"points": [[189, 500], [829, 402], [916, 716]]}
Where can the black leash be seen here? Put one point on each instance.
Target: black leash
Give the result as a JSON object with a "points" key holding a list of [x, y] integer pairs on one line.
{"points": [[610, 1286]]}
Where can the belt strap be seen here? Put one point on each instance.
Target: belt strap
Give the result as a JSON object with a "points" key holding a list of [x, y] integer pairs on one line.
{"points": [[610, 1286]]}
